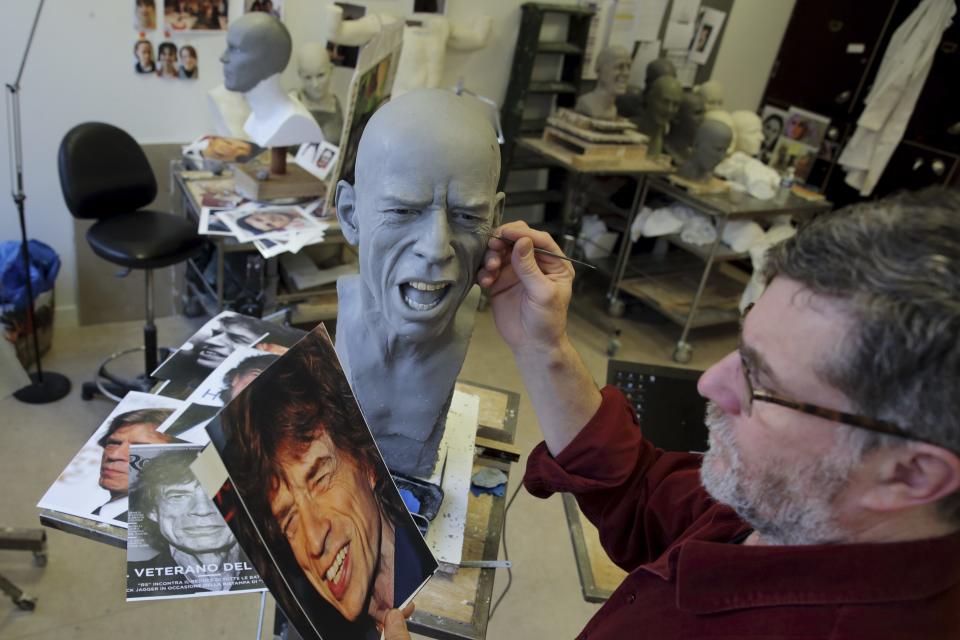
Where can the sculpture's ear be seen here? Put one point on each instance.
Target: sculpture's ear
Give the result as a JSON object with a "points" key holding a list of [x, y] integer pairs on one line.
{"points": [[498, 209], [347, 212]]}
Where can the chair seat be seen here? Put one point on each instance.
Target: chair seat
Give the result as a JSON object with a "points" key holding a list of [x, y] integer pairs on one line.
{"points": [[144, 239]]}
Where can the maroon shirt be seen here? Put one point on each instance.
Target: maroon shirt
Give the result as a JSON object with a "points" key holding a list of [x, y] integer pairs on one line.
{"points": [[687, 580]]}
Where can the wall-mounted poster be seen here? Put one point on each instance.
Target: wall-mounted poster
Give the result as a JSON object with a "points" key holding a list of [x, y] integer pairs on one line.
{"points": [[310, 500], [144, 15], [196, 15], [273, 7]]}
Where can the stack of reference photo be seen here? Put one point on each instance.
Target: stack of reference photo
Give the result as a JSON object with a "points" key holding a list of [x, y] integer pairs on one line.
{"points": [[292, 496], [223, 212]]}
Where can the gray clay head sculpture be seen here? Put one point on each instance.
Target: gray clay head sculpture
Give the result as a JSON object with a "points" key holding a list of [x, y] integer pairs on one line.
{"points": [[690, 113], [709, 149], [422, 207], [663, 99], [613, 70], [657, 68], [258, 46]]}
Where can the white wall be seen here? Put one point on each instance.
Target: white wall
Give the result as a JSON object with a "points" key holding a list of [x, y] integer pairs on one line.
{"points": [[81, 68], [751, 41]]}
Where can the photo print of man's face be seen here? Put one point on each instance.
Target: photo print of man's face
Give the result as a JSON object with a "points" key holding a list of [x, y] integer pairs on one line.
{"points": [[318, 494], [187, 518], [133, 427], [324, 505]]}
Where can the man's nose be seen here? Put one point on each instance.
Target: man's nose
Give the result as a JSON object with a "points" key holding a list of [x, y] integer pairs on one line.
{"points": [[316, 527], [200, 504], [122, 452], [433, 236], [721, 383]]}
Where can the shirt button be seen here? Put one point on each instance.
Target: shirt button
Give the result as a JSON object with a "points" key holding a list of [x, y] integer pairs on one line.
{"points": [[631, 598]]}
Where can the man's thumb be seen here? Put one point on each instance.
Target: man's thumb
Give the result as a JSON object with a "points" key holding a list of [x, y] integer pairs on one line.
{"points": [[525, 264], [394, 628]]}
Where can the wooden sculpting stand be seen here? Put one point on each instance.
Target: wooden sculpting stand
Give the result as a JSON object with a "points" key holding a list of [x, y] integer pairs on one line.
{"points": [[284, 181], [589, 143], [714, 185]]}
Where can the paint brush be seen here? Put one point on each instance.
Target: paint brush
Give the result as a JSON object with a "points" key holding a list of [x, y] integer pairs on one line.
{"points": [[545, 252]]}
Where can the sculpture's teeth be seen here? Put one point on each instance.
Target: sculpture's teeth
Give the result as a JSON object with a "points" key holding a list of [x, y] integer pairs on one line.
{"points": [[427, 286]]}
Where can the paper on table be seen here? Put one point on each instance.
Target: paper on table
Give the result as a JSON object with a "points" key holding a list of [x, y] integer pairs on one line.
{"points": [[649, 17], [680, 24]]}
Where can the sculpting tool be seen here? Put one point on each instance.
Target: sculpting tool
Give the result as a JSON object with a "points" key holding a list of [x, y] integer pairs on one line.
{"points": [[546, 253]]}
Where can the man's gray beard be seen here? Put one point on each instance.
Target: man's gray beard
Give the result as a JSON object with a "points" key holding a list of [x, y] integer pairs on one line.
{"points": [[785, 504]]}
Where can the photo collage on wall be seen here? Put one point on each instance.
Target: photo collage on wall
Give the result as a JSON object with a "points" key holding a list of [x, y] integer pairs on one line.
{"points": [[173, 59]]}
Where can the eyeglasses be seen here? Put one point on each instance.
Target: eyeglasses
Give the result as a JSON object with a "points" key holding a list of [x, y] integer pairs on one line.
{"points": [[863, 422]]}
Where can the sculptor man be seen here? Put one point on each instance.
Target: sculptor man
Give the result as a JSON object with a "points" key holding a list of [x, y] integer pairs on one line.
{"points": [[421, 209]]}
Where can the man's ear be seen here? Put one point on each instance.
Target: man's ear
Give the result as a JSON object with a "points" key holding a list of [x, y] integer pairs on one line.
{"points": [[347, 212], [498, 209], [911, 476]]}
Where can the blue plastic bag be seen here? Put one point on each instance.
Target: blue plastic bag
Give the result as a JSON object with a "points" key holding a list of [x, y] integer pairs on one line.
{"points": [[44, 267]]}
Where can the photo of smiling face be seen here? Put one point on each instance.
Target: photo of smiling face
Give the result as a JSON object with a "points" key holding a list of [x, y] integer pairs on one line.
{"points": [[265, 221], [325, 507]]}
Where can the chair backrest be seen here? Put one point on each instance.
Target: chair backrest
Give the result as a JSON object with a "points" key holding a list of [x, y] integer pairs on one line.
{"points": [[103, 171]]}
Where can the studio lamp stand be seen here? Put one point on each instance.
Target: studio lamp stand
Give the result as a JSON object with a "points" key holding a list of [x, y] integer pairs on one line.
{"points": [[45, 386]]}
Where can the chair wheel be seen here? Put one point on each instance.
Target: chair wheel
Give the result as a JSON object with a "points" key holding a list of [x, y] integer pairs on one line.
{"points": [[26, 603], [88, 391], [40, 558]]}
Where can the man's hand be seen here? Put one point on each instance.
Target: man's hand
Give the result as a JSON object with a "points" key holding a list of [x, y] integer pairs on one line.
{"points": [[529, 295], [529, 292], [394, 623]]}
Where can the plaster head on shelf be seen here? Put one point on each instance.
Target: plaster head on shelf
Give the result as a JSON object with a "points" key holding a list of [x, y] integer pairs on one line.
{"points": [[749, 131], [712, 92], [709, 149]]}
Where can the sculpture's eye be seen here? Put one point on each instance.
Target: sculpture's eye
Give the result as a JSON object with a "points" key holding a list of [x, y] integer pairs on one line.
{"points": [[403, 211], [468, 219]]}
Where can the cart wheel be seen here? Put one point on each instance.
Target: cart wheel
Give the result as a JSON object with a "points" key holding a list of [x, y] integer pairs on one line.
{"points": [[612, 347], [682, 352], [88, 391], [616, 308], [40, 558], [26, 603]]}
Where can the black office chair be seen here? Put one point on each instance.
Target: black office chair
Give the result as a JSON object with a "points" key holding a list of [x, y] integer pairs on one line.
{"points": [[105, 176]]}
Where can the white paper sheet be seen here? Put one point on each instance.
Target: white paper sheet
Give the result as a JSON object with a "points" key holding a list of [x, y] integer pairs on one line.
{"points": [[680, 24], [649, 18]]}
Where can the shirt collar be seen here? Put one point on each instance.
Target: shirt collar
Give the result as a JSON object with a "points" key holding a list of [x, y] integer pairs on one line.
{"points": [[713, 577]]}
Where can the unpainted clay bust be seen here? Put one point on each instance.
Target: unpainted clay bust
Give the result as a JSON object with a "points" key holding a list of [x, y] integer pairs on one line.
{"points": [[631, 104], [663, 102], [421, 209], [719, 115], [679, 140], [258, 50], [749, 131], [613, 71], [712, 92], [709, 148], [316, 72]]}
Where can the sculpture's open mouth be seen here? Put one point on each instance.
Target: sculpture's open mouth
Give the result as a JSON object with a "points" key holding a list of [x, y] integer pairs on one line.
{"points": [[423, 296]]}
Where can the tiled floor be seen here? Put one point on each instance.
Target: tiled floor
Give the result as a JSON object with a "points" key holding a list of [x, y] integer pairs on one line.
{"points": [[81, 589]]}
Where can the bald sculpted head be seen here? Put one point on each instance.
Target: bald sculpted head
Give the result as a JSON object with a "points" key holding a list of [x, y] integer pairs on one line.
{"points": [[258, 46], [421, 208]]}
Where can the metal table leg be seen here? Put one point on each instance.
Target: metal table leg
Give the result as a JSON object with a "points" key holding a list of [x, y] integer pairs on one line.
{"points": [[623, 258], [683, 351], [220, 283]]}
